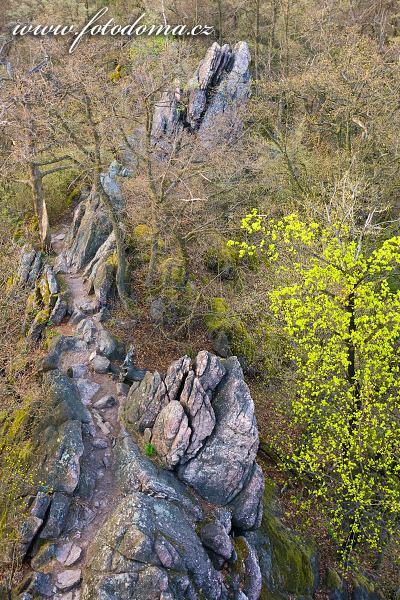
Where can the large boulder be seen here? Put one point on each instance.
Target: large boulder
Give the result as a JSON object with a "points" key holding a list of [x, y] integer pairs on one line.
{"points": [[90, 229], [60, 345], [144, 401], [222, 118], [148, 550], [64, 449], [171, 433], [222, 466], [65, 400], [247, 506], [136, 473]]}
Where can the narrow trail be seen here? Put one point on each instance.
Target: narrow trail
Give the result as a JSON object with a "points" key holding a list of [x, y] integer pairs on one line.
{"points": [[100, 494]]}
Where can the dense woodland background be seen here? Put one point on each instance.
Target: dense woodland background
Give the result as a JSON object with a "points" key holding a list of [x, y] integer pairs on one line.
{"points": [[320, 139]]}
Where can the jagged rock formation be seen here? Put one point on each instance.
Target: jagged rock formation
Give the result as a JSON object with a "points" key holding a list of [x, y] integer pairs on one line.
{"points": [[46, 304], [200, 414], [212, 106], [91, 242]]}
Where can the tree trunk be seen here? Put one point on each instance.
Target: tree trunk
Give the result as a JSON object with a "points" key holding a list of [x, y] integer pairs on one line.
{"points": [[351, 369], [152, 270], [119, 236], [40, 205]]}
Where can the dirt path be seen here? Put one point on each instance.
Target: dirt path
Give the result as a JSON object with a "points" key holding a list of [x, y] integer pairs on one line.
{"points": [[100, 494]]}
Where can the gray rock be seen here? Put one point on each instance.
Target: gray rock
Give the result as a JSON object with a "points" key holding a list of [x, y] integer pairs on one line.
{"points": [[87, 479], [219, 92], [104, 314], [51, 280], [77, 371], [67, 580], [27, 258], [61, 467], [40, 505], [175, 376], [123, 389], [249, 570], [59, 311], [197, 405], [57, 518], [247, 506], [171, 433], [59, 345], [136, 473], [65, 400], [27, 531], [235, 438], [37, 328], [68, 554], [87, 389], [104, 282], [60, 264], [144, 402], [222, 118], [102, 255], [89, 308], [88, 330], [76, 317], [35, 269], [36, 584], [209, 370], [167, 120], [109, 346], [125, 549], [90, 229], [44, 556], [130, 373], [215, 537], [105, 402], [99, 443], [208, 75], [100, 364]]}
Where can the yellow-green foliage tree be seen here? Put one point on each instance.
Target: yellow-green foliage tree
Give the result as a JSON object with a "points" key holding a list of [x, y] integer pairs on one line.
{"points": [[341, 309]]}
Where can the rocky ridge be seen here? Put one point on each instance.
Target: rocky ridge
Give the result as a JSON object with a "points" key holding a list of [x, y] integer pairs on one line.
{"points": [[150, 486]]}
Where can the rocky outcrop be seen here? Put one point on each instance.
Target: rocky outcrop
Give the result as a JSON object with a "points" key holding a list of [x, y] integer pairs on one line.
{"points": [[46, 304], [196, 414], [235, 437], [171, 433], [149, 549], [144, 402], [212, 106], [91, 242]]}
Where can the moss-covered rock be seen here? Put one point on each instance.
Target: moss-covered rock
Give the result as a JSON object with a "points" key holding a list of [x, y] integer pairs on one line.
{"points": [[288, 562], [104, 282], [229, 333], [221, 259], [332, 579], [174, 294]]}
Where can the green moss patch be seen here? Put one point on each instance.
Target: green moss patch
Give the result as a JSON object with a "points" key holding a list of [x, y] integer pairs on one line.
{"points": [[292, 558]]}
